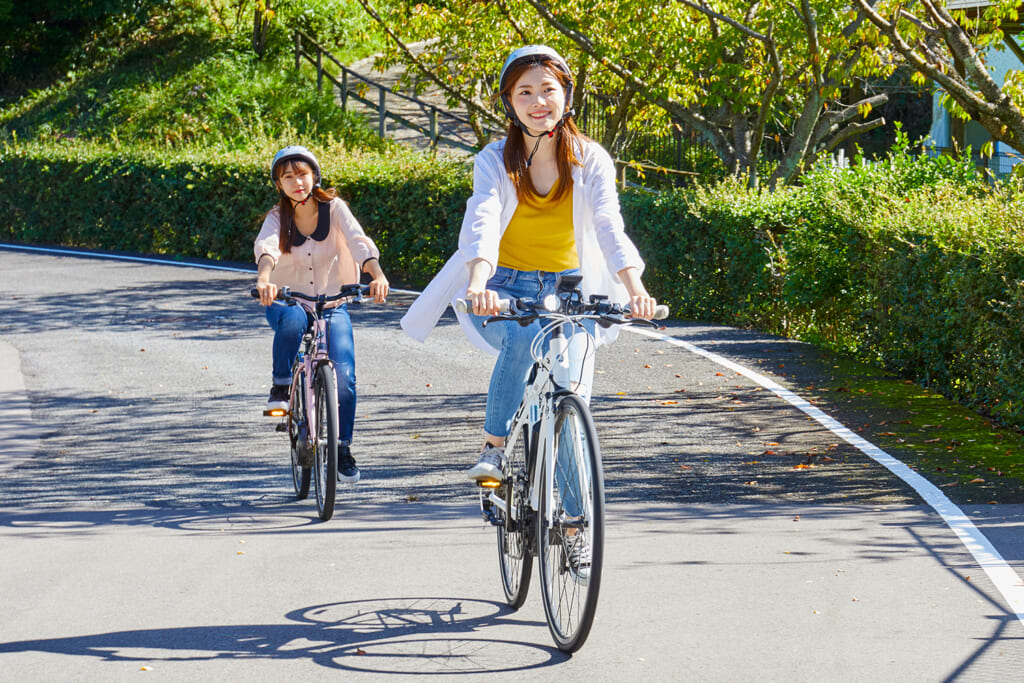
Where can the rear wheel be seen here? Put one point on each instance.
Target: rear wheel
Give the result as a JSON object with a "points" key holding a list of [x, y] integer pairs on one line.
{"points": [[298, 431], [570, 527], [325, 455], [514, 532]]}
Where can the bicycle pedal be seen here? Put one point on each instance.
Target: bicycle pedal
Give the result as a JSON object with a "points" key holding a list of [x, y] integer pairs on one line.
{"points": [[281, 427]]}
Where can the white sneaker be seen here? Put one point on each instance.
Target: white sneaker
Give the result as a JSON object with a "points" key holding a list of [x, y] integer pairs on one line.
{"points": [[577, 555], [488, 467]]}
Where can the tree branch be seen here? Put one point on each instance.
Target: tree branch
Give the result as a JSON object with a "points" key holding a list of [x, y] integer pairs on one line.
{"points": [[471, 104], [695, 120]]}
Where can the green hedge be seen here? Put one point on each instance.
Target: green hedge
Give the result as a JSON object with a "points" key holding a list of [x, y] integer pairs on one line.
{"points": [[192, 203], [910, 263]]}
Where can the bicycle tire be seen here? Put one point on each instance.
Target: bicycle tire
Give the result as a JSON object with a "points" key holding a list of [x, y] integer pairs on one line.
{"points": [[570, 596], [301, 474], [515, 558], [325, 460]]}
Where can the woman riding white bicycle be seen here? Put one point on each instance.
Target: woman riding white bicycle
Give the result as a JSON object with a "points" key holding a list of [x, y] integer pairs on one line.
{"points": [[311, 242], [544, 204]]}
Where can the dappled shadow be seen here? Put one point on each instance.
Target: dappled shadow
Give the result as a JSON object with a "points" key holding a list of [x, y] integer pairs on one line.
{"points": [[748, 455], [191, 309], [398, 635], [723, 440]]}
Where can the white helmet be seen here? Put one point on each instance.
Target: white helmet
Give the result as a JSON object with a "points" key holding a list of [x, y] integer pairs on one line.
{"points": [[533, 53], [298, 153]]}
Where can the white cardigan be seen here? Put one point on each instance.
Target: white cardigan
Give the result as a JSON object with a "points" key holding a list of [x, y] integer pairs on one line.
{"points": [[601, 242]]}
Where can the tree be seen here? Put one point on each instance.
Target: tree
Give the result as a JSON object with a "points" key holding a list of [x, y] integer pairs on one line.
{"points": [[949, 48], [747, 68], [737, 72]]}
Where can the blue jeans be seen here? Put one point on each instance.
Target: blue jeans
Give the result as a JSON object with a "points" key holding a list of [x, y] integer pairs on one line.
{"points": [[289, 324], [512, 368]]}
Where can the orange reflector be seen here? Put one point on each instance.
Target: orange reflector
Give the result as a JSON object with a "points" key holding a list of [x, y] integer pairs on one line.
{"points": [[489, 483], [276, 412]]}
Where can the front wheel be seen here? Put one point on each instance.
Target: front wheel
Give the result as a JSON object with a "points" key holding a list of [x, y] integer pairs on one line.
{"points": [[514, 532], [570, 526], [325, 446], [298, 433]]}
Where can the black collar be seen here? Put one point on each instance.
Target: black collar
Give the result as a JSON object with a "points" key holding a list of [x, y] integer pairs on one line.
{"points": [[323, 226]]}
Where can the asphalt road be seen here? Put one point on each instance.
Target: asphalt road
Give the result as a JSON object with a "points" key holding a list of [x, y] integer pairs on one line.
{"points": [[146, 521]]}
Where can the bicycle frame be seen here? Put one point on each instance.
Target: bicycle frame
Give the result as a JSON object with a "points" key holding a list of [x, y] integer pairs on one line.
{"points": [[312, 354], [549, 380]]}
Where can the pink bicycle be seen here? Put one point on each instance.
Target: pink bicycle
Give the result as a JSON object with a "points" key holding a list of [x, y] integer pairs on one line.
{"points": [[312, 415]]}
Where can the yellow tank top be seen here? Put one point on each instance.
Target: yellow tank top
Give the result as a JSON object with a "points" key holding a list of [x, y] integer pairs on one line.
{"points": [[540, 236]]}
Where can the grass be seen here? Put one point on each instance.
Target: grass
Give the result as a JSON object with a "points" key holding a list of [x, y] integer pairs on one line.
{"points": [[188, 77], [971, 459]]}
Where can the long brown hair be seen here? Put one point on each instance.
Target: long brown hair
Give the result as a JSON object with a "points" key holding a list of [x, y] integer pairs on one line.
{"points": [[285, 208], [568, 138]]}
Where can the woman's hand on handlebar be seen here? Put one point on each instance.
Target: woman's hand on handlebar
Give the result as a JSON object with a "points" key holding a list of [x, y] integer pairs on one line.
{"points": [[379, 285], [379, 289], [268, 292], [642, 306], [484, 301]]}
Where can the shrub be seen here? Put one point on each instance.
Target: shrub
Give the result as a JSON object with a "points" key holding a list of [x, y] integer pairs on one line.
{"points": [[912, 263], [195, 203]]}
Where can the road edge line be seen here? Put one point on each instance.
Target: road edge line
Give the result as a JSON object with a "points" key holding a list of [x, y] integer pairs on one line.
{"points": [[1002, 575]]}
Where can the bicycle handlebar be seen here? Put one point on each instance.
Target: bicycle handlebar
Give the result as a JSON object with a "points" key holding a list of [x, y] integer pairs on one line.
{"points": [[286, 294], [526, 307]]}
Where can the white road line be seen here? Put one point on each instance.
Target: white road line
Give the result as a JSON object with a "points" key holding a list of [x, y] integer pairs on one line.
{"points": [[988, 558], [144, 259], [985, 554]]}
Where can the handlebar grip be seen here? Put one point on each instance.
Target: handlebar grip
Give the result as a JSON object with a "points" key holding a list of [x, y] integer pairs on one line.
{"points": [[254, 293], [660, 312], [463, 306]]}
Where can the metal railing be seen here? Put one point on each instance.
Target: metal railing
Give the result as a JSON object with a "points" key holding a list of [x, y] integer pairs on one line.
{"points": [[436, 116]]}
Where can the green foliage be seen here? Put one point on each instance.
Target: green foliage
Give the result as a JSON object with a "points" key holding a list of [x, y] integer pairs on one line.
{"points": [[48, 37], [189, 202], [185, 76], [911, 263], [229, 99]]}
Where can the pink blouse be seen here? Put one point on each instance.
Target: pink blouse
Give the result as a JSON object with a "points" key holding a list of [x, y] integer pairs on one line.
{"points": [[318, 267]]}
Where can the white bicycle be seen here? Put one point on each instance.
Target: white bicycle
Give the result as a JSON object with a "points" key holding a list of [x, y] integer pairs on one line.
{"points": [[550, 502]]}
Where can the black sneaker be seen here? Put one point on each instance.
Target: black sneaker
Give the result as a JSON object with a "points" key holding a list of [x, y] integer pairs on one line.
{"points": [[348, 473], [278, 400]]}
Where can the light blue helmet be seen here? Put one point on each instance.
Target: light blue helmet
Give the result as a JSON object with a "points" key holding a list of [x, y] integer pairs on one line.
{"points": [[298, 153], [534, 53]]}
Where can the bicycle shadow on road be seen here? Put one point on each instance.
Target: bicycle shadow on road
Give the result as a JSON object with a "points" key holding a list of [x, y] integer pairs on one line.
{"points": [[413, 635]]}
